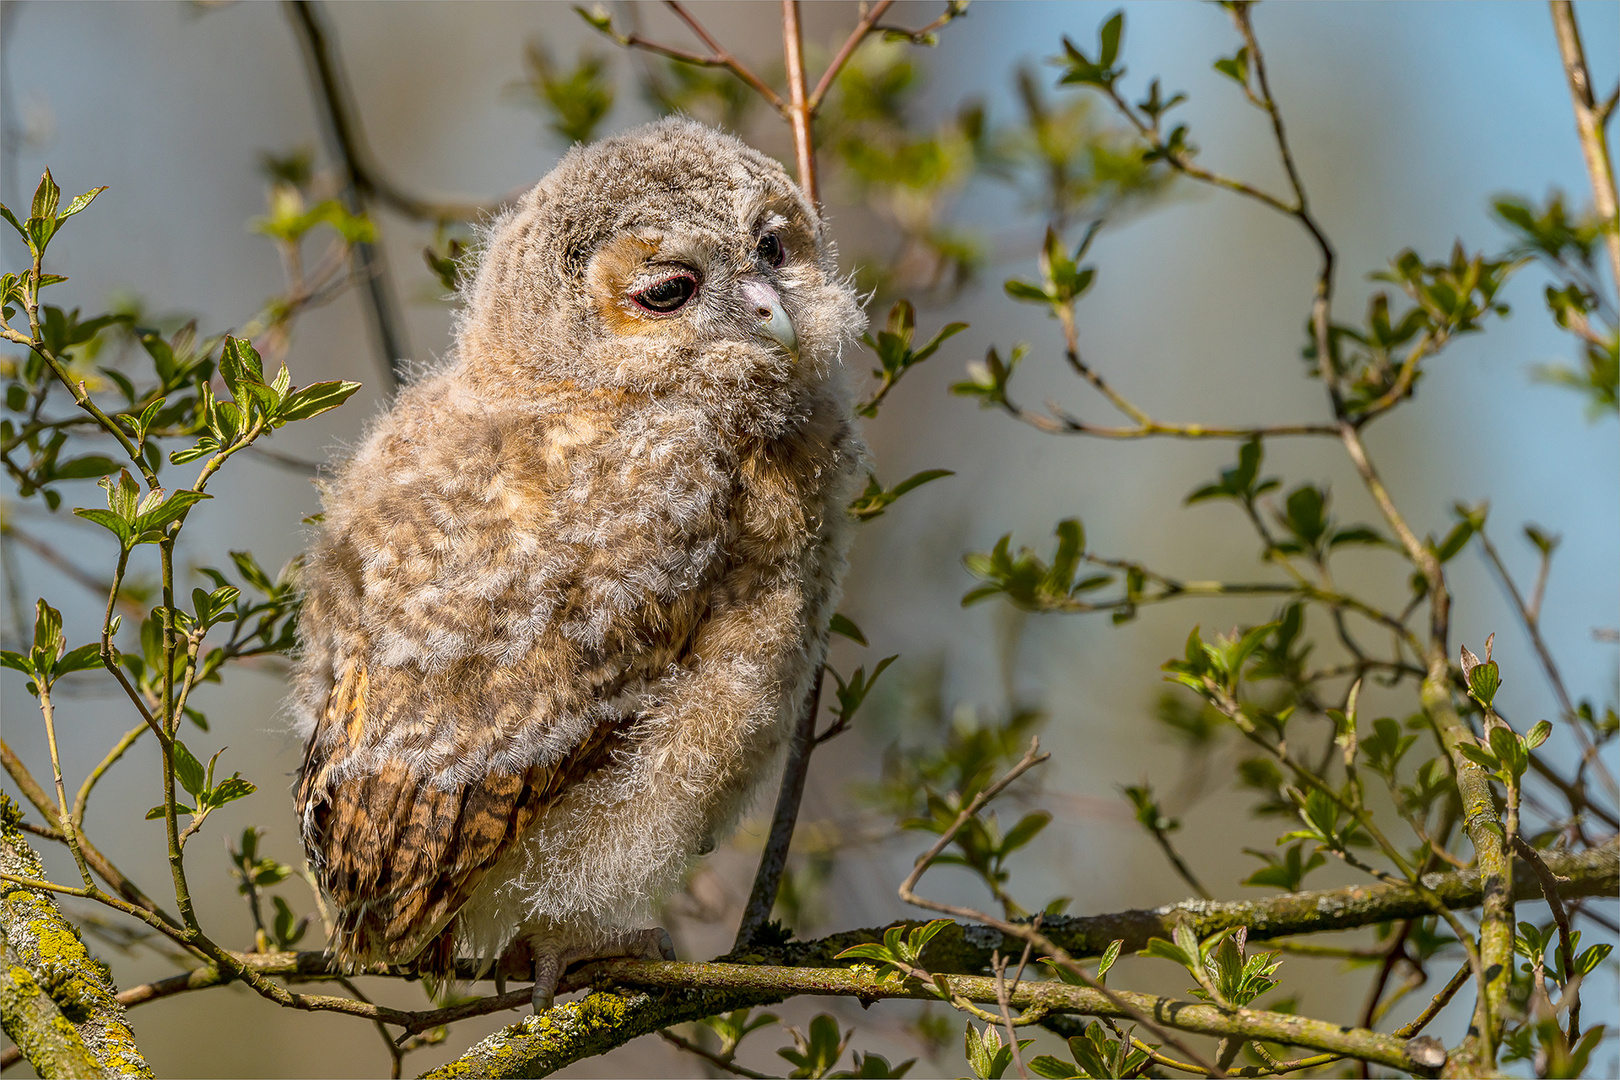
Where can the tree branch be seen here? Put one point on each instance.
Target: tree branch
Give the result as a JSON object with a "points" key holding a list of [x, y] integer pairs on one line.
{"points": [[56, 1000], [566, 1033]]}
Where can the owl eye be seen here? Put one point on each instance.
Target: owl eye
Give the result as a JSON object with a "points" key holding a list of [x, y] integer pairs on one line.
{"points": [[770, 250], [668, 295]]}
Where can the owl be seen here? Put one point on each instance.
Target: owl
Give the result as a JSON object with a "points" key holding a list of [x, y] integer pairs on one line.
{"points": [[567, 598]]}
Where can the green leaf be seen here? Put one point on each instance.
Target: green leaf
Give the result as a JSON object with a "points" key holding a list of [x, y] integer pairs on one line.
{"points": [[227, 790], [314, 399], [1587, 962], [1109, 38], [866, 951], [83, 658], [1236, 67], [845, 626], [107, 520], [45, 197], [1028, 827], [1165, 950], [80, 203], [1480, 756], [1048, 1066], [288, 929], [1023, 290], [1538, 734], [873, 501], [47, 639], [157, 811], [239, 362], [1109, 955], [188, 770], [254, 574], [83, 468], [171, 509], [1483, 681], [920, 936], [5, 212]]}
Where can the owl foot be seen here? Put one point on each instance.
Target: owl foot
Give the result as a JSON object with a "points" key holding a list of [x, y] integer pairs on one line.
{"points": [[552, 959]]}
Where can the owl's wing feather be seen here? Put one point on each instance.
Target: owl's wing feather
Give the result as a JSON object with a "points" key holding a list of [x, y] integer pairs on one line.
{"points": [[399, 857]]}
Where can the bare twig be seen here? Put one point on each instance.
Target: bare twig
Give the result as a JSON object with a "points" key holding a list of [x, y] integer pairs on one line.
{"points": [[347, 149], [712, 1058], [845, 51], [1566, 950], [98, 862], [1530, 617], [767, 879], [1589, 118], [75, 573], [799, 110], [1025, 933], [718, 56]]}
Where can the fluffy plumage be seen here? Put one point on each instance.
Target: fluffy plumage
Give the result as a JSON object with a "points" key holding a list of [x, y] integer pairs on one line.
{"points": [[568, 596]]}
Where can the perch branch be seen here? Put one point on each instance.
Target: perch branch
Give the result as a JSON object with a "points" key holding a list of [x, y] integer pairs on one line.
{"points": [[545, 1042]]}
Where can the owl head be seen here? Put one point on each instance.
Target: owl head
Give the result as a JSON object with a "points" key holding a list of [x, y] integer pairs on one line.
{"points": [[670, 259]]}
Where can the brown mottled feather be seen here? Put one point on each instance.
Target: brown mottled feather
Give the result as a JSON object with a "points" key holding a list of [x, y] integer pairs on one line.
{"points": [[398, 856]]}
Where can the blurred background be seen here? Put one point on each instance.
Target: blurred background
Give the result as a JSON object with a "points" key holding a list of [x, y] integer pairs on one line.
{"points": [[1406, 118]]}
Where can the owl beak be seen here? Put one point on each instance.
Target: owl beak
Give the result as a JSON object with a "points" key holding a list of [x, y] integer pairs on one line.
{"points": [[766, 306]]}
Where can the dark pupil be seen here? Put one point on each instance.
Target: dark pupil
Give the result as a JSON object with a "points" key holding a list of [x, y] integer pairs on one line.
{"points": [[668, 295], [770, 249]]}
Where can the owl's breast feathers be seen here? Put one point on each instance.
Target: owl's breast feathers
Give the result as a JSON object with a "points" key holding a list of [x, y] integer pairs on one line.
{"points": [[492, 586]]}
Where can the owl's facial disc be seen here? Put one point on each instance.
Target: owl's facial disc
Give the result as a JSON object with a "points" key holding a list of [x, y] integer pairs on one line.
{"points": [[766, 306]]}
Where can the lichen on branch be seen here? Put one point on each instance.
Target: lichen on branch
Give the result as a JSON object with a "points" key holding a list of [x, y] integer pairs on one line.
{"points": [[58, 1002]]}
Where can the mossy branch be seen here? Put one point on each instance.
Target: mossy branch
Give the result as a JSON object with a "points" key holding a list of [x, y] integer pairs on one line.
{"points": [[57, 1002], [546, 1042], [606, 1019]]}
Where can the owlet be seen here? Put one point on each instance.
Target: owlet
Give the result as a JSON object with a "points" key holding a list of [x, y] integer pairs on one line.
{"points": [[568, 596]]}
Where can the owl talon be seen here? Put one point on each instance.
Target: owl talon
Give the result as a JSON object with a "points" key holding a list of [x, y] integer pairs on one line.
{"points": [[653, 943], [547, 970]]}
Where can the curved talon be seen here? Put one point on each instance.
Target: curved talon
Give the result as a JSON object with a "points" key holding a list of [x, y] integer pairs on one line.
{"points": [[654, 943], [547, 970], [551, 960]]}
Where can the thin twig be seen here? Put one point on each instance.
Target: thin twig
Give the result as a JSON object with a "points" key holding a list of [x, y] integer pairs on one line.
{"points": [[719, 56], [345, 146], [1566, 948], [1438, 1002], [708, 1055], [1589, 119], [768, 878], [396, 1056], [75, 573], [331, 87], [908, 893], [799, 110], [1530, 618], [845, 51]]}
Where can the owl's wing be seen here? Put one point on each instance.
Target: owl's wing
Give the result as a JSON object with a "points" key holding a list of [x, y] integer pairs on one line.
{"points": [[399, 857], [485, 589]]}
